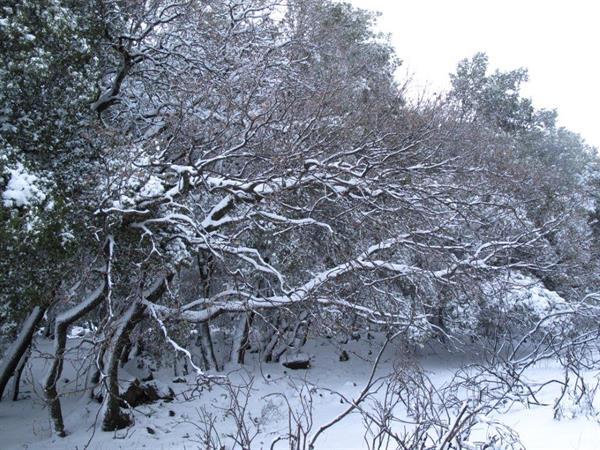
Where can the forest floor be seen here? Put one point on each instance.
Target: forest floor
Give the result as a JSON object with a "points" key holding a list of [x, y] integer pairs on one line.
{"points": [[274, 392]]}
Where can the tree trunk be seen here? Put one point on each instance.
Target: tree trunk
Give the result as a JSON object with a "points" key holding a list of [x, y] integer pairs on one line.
{"points": [[241, 338], [205, 268], [49, 328], [16, 351], [96, 372], [301, 331], [113, 418], [124, 358], [207, 349], [273, 338], [139, 344], [17, 375], [62, 323], [294, 337]]}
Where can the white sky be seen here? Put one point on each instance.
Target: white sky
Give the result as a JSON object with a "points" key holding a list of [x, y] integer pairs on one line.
{"points": [[558, 41]]}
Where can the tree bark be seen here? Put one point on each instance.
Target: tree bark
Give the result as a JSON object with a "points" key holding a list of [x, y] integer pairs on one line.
{"points": [[113, 418], [294, 337], [207, 349], [301, 331], [49, 328], [19, 347], [17, 375], [62, 323], [124, 358], [205, 269], [96, 372], [241, 338], [272, 338]]}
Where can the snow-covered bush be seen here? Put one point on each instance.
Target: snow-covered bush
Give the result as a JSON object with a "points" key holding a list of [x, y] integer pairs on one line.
{"points": [[507, 305]]}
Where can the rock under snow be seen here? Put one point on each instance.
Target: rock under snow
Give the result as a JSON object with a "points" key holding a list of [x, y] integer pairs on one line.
{"points": [[296, 361], [143, 393]]}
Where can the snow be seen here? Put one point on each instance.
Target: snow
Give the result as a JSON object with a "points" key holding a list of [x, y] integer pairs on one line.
{"points": [[77, 311], [22, 189], [22, 338], [153, 188], [77, 331], [24, 424], [530, 294]]}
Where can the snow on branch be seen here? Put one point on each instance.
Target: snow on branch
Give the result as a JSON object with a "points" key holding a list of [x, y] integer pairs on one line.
{"points": [[233, 300]]}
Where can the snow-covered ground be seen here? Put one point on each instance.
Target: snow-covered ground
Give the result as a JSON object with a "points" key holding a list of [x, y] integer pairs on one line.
{"points": [[274, 390]]}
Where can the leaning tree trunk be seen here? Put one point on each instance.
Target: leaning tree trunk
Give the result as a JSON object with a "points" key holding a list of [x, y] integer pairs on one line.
{"points": [[113, 418], [270, 343], [49, 328], [18, 349], [17, 376], [95, 373], [124, 358], [301, 331], [61, 326], [295, 337]]}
